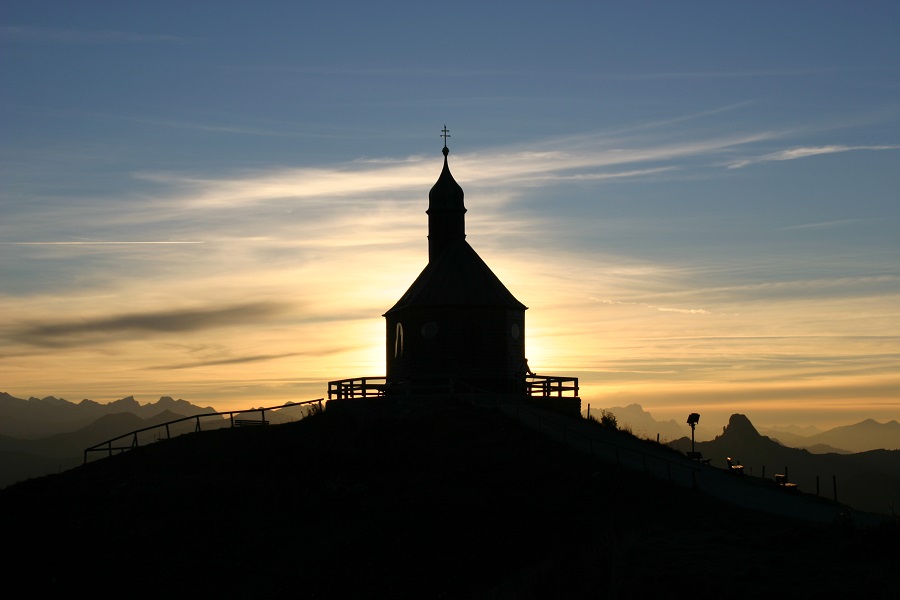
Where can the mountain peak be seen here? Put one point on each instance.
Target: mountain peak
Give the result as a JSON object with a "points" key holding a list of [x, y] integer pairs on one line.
{"points": [[127, 403], [740, 426], [53, 401], [170, 401]]}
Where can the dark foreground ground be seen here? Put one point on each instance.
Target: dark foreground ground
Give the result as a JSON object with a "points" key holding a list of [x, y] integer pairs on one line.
{"points": [[453, 502]]}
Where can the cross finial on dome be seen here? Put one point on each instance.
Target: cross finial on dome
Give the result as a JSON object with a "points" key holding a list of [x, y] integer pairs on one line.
{"points": [[445, 133]]}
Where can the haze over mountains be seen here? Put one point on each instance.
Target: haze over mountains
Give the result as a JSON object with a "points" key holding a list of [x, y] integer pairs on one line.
{"points": [[41, 417], [862, 460], [49, 435], [868, 481], [859, 437]]}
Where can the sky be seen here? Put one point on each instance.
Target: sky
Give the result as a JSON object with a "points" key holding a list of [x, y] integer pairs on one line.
{"points": [[218, 201]]}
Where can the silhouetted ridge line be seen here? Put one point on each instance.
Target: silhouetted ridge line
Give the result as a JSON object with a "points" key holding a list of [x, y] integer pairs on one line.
{"points": [[459, 501], [108, 447]]}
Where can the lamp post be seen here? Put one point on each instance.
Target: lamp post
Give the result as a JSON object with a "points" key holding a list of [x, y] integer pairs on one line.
{"points": [[693, 419]]}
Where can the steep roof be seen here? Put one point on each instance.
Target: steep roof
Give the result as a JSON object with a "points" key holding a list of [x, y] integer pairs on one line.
{"points": [[458, 277], [446, 194], [455, 274]]}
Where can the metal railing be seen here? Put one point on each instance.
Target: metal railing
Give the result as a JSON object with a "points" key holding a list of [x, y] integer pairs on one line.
{"points": [[536, 386], [115, 444], [545, 386], [356, 387]]}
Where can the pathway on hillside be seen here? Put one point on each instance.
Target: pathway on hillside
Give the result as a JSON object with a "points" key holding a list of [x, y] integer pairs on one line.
{"points": [[665, 463]]}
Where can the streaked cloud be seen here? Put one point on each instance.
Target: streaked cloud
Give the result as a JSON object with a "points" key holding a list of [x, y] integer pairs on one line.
{"points": [[826, 224], [53, 35], [729, 74], [237, 360], [544, 162], [98, 243], [802, 152], [687, 311], [183, 321]]}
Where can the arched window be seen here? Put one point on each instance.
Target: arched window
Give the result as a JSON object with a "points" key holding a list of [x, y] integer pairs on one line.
{"points": [[398, 340]]}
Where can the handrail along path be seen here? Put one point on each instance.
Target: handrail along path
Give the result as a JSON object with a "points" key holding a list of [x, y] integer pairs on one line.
{"points": [[109, 448]]}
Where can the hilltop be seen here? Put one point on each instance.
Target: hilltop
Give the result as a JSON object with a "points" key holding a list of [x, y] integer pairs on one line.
{"points": [[443, 501]]}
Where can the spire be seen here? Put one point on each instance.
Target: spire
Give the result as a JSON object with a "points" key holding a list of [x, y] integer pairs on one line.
{"points": [[446, 210]]}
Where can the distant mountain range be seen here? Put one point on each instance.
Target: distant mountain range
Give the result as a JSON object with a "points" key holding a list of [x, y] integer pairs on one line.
{"points": [[39, 436], [868, 481], [641, 423], [36, 418], [860, 437]]}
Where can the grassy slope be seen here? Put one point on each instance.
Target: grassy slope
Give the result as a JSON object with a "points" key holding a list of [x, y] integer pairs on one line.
{"points": [[451, 503]]}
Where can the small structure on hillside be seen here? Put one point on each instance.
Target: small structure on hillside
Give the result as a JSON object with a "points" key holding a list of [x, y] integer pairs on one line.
{"points": [[457, 330]]}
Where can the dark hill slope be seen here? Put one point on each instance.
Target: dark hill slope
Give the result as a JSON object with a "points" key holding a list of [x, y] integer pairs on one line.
{"points": [[453, 502], [867, 481]]}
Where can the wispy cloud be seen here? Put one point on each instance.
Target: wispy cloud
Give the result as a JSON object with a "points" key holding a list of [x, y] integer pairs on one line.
{"points": [[590, 157], [232, 361], [825, 224], [54, 35], [231, 128], [686, 311], [802, 152], [720, 74], [97, 243], [548, 178], [92, 330]]}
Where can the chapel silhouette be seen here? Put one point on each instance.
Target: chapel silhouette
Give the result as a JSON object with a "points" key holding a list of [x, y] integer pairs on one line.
{"points": [[457, 331]]}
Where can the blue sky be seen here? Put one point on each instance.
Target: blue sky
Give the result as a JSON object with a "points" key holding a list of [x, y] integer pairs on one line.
{"points": [[217, 200]]}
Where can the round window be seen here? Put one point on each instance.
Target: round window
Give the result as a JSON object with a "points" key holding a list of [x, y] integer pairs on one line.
{"points": [[429, 330]]}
